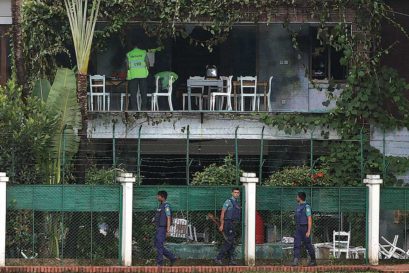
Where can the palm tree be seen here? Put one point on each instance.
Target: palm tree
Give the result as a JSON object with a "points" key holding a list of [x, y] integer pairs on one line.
{"points": [[82, 28]]}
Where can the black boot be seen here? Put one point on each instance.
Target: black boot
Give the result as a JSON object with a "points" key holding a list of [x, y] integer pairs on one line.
{"points": [[312, 262], [295, 262]]}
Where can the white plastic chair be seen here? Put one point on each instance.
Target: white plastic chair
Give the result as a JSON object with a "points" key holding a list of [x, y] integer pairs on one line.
{"points": [[97, 90], [157, 94], [197, 96], [340, 243], [123, 95], [248, 89], [261, 98], [226, 94], [390, 250]]}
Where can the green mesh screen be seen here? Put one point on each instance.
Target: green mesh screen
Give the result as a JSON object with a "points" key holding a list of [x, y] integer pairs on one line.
{"points": [[64, 197]]}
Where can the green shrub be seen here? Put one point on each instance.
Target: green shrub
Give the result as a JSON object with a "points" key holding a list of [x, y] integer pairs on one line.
{"points": [[102, 176], [299, 176], [217, 175]]}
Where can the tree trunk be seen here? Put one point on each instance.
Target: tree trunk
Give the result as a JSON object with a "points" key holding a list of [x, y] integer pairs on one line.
{"points": [[17, 35], [81, 159], [80, 164]]}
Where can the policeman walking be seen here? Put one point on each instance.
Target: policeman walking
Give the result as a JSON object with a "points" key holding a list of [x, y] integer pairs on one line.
{"points": [[303, 221], [229, 219], [163, 220]]}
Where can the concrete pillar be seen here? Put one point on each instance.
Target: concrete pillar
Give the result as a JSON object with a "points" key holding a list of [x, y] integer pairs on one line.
{"points": [[127, 180], [249, 181], [3, 209], [373, 182]]}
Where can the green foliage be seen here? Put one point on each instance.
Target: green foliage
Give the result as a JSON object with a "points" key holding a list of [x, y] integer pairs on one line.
{"points": [[41, 89], [103, 176], [297, 176], [19, 232], [62, 102], [373, 95], [26, 131], [46, 37], [217, 175]]}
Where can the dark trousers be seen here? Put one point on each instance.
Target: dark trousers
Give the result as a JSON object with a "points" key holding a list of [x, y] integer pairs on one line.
{"points": [[160, 238], [142, 85], [301, 238], [227, 250]]}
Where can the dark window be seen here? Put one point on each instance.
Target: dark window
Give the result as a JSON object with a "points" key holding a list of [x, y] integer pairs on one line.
{"points": [[325, 60], [4, 65]]}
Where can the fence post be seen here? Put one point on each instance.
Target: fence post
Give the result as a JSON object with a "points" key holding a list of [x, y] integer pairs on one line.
{"points": [[361, 139], [373, 182], [383, 155], [113, 146], [138, 163], [127, 180], [236, 154], [249, 181], [260, 171], [312, 152], [187, 155], [3, 210]]}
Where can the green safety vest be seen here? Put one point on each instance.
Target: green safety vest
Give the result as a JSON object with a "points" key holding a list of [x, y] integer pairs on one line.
{"points": [[137, 66]]}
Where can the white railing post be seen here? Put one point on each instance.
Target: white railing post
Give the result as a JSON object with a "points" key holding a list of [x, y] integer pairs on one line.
{"points": [[249, 181], [373, 182], [3, 210], [127, 180]]}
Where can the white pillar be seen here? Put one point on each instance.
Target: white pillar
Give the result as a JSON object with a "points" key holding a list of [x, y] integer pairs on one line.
{"points": [[3, 209], [373, 182], [249, 181], [127, 180]]}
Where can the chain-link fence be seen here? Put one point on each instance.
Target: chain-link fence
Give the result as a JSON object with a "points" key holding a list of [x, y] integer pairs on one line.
{"points": [[195, 238], [394, 223], [335, 210], [81, 225], [63, 225]]}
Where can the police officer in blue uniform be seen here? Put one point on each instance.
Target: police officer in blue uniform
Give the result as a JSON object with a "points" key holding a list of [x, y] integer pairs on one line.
{"points": [[229, 220], [303, 221], [163, 221]]}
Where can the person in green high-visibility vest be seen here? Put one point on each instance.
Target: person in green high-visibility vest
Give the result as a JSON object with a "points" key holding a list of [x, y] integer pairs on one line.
{"points": [[138, 71]]}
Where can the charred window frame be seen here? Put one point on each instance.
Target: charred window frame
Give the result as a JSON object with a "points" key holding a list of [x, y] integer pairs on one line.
{"points": [[325, 60]]}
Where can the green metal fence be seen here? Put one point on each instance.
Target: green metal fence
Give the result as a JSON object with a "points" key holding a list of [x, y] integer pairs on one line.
{"points": [[394, 216], [63, 224], [80, 224], [334, 209], [201, 241]]}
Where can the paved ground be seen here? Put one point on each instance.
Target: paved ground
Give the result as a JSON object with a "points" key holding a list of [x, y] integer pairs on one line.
{"points": [[394, 268], [203, 269]]}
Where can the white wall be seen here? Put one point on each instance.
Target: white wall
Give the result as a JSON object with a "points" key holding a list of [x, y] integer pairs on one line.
{"points": [[5, 12], [396, 144], [211, 126]]}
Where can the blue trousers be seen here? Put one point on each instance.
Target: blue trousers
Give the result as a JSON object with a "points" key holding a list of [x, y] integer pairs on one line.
{"points": [[301, 238], [160, 238], [228, 246]]}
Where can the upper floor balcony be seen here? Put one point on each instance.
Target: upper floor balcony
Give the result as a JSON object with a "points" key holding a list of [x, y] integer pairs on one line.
{"points": [[277, 77]]}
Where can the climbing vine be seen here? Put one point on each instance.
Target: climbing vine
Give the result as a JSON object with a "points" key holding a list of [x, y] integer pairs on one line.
{"points": [[372, 95]]}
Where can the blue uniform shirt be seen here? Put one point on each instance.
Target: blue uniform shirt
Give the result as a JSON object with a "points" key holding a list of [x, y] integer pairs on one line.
{"points": [[167, 209], [308, 211], [233, 209], [228, 204]]}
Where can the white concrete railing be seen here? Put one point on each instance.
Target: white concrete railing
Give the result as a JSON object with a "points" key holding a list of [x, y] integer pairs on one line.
{"points": [[3, 218]]}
